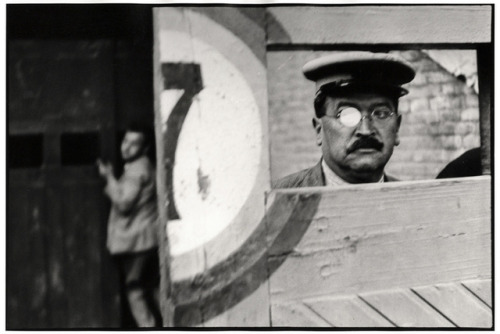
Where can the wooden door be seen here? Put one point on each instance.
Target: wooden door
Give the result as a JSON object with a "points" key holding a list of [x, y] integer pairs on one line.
{"points": [[61, 118]]}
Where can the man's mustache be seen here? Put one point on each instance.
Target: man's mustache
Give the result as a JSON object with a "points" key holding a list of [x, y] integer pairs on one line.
{"points": [[365, 142]]}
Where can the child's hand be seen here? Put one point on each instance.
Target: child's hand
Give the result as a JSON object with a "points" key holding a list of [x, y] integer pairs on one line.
{"points": [[105, 168]]}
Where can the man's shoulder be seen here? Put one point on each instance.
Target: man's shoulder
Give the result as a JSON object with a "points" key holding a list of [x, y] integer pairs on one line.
{"points": [[390, 178], [309, 177], [140, 167]]}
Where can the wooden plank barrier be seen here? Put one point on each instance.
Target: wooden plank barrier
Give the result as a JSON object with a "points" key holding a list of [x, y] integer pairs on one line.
{"points": [[410, 254], [404, 254]]}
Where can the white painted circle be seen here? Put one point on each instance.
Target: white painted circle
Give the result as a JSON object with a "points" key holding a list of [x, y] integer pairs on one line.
{"points": [[219, 147]]}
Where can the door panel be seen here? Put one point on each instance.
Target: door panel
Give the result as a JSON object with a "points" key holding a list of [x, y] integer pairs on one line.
{"points": [[27, 278], [62, 91]]}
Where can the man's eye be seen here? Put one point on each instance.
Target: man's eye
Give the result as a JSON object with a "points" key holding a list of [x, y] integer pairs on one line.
{"points": [[349, 116], [382, 113]]}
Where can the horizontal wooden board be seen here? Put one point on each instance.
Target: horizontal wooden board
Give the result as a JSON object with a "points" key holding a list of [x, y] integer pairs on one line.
{"points": [[381, 236], [379, 24]]}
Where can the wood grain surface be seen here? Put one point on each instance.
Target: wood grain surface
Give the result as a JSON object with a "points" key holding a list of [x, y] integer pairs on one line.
{"points": [[391, 255], [433, 306], [362, 248], [458, 305], [59, 272], [405, 309], [482, 289], [407, 24], [361, 256], [403, 234], [216, 264], [349, 311]]}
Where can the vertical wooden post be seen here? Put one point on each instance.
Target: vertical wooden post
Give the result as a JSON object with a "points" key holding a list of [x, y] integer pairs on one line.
{"points": [[167, 308], [485, 70]]}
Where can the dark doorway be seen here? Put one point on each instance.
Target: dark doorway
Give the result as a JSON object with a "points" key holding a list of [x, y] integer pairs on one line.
{"points": [[76, 75]]}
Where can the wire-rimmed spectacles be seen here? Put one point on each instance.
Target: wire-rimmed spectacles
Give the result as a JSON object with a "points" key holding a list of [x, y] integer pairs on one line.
{"points": [[351, 116]]}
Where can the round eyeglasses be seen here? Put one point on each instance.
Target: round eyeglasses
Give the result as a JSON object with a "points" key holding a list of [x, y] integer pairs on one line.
{"points": [[351, 116]]}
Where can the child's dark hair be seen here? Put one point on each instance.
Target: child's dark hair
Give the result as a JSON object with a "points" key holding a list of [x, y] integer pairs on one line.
{"points": [[146, 130]]}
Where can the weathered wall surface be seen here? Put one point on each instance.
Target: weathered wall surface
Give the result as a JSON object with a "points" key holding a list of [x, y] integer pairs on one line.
{"points": [[212, 120], [380, 24], [440, 117], [223, 72]]}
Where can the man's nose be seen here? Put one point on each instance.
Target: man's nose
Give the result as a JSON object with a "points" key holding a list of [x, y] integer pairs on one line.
{"points": [[365, 127]]}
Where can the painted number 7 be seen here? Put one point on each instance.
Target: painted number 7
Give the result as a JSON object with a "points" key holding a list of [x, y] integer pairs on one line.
{"points": [[185, 77]]}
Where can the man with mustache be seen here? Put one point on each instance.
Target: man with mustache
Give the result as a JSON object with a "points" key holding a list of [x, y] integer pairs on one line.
{"points": [[356, 117]]}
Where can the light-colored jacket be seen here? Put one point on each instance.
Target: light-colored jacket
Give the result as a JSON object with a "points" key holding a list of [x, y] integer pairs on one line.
{"points": [[310, 177], [132, 224]]}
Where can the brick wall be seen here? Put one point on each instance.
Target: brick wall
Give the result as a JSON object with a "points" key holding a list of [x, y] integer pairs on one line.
{"points": [[440, 117]]}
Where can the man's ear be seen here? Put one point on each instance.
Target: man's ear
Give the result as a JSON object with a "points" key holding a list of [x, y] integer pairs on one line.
{"points": [[396, 140], [318, 127]]}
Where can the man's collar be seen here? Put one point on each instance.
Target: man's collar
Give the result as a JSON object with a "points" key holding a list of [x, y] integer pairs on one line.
{"points": [[332, 179]]}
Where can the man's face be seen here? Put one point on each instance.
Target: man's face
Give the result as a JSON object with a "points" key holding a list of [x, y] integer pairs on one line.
{"points": [[132, 146], [358, 153]]}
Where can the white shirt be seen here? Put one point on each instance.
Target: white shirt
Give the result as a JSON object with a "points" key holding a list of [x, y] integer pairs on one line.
{"points": [[333, 179]]}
